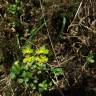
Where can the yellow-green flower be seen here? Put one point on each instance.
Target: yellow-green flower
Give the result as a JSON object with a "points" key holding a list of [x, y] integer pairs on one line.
{"points": [[29, 59], [42, 59], [16, 62], [27, 50], [42, 50]]}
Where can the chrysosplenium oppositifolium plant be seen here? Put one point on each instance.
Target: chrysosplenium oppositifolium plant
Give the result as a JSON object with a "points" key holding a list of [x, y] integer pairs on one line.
{"points": [[31, 71], [15, 8], [91, 59]]}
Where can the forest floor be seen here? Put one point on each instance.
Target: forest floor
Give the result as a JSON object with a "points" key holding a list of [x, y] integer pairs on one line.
{"points": [[51, 23]]}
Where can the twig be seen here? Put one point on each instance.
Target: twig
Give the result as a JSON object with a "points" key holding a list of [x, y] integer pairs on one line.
{"points": [[75, 15]]}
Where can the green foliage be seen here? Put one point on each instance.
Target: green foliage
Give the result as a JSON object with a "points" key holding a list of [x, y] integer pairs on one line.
{"points": [[43, 86], [90, 57], [15, 8], [34, 31], [63, 23], [31, 69], [12, 9], [57, 71]]}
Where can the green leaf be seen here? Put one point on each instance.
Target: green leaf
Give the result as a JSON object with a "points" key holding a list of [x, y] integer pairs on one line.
{"points": [[16, 63], [33, 86], [16, 69], [90, 57], [26, 74], [35, 81], [26, 85], [63, 23], [35, 30], [13, 9], [90, 60], [39, 72], [41, 67], [20, 80], [23, 74], [56, 71], [13, 75], [43, 86], [26, 80]]}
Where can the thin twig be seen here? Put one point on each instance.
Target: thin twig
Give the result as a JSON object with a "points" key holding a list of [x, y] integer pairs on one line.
{"points": [[75, 15]]}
